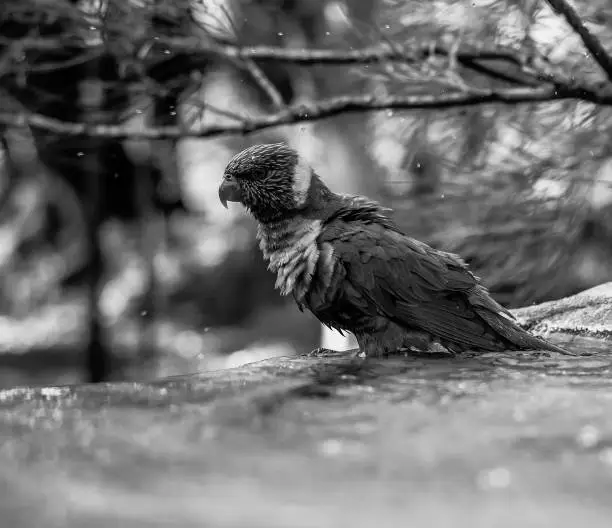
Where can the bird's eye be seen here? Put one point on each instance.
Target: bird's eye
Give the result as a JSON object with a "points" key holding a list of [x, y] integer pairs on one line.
{"points": [[227, 177]]}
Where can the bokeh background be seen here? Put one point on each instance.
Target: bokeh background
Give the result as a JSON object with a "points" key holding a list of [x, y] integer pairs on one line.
{"points": [[117, 260]]}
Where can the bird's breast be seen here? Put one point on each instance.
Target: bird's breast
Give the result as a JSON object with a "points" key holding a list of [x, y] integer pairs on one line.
{"points": [[290, 247]]}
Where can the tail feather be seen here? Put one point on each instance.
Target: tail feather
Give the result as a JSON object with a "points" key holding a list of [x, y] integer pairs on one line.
{"points": [[519, 337]]}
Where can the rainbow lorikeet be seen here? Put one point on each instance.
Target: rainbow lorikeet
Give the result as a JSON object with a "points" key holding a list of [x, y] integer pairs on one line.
{"points": [[344, 259]]}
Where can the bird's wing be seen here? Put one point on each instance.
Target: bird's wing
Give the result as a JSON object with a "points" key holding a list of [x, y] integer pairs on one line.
{"points": [[387, 273]]}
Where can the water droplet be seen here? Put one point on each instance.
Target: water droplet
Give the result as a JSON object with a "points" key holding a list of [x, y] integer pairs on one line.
{"points": [[327, 33], [79, 154], [280, 34], [331, 447], [495, 478], [143, 313], [588, 437], [389, 113], [442, 195], [166, 52], [606, 456], [387, 26], [518, 415], [173, 113]]}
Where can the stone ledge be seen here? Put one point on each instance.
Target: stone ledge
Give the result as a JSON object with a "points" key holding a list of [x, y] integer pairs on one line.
{"points": [[588, 314], [505, 440]]}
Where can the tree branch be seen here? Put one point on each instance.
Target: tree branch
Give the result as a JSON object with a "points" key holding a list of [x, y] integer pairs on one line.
{"points": [[303, 56], [367, 55], [312, 111], [591, 42], [264, 83]]}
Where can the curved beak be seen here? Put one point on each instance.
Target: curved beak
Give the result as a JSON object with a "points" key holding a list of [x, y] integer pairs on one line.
{"points": [[229, 191]]}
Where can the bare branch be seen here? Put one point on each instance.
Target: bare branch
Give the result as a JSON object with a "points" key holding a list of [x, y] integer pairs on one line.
{"points": [[307, 56], [264, 83], [533, 68], [312, 111], [370, 54], [590, 41]]}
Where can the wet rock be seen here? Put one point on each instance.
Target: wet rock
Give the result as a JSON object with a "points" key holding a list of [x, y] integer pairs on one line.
{"points": [[505, 440], [588, 314]]}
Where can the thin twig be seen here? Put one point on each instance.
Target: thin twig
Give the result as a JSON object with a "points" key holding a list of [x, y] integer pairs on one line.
{"points": [[591, 42], [311, 112], [264, 83]]}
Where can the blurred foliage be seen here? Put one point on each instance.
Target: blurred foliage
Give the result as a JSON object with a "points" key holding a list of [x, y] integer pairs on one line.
{"points": [[522, 192], [513, 189]]}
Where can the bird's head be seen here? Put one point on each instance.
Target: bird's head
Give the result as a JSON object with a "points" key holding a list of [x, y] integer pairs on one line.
{"points": [[271, 180]]}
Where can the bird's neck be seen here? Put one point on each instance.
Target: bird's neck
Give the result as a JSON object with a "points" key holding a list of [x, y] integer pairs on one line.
{"points": [[328, 206], [290, 247]]}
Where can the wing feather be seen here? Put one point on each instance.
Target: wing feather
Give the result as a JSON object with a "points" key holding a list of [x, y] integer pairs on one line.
{"points": [[409, 282]]}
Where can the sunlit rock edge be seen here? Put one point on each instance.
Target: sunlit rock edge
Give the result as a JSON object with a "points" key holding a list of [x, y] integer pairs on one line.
{"points": [[587, 314]]}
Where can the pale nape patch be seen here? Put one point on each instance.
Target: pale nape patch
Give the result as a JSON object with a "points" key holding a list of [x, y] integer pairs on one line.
{"points": [[302, 177], [290, 247]]}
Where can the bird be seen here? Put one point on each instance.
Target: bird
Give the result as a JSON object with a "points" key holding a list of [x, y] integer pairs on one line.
{"points": [[344, 258]]}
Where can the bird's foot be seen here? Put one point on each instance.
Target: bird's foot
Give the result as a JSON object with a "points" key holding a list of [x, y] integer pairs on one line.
{"points": [[328, 352], [433, 351], [319, 352], [357, 353]]}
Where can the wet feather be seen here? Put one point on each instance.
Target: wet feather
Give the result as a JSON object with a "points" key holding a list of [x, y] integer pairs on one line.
{"points": [[344, 259]]}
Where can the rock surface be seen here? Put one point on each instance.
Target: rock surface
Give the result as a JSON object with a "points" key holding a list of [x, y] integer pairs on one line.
{"points": [[494, 440], [588, 313]]}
